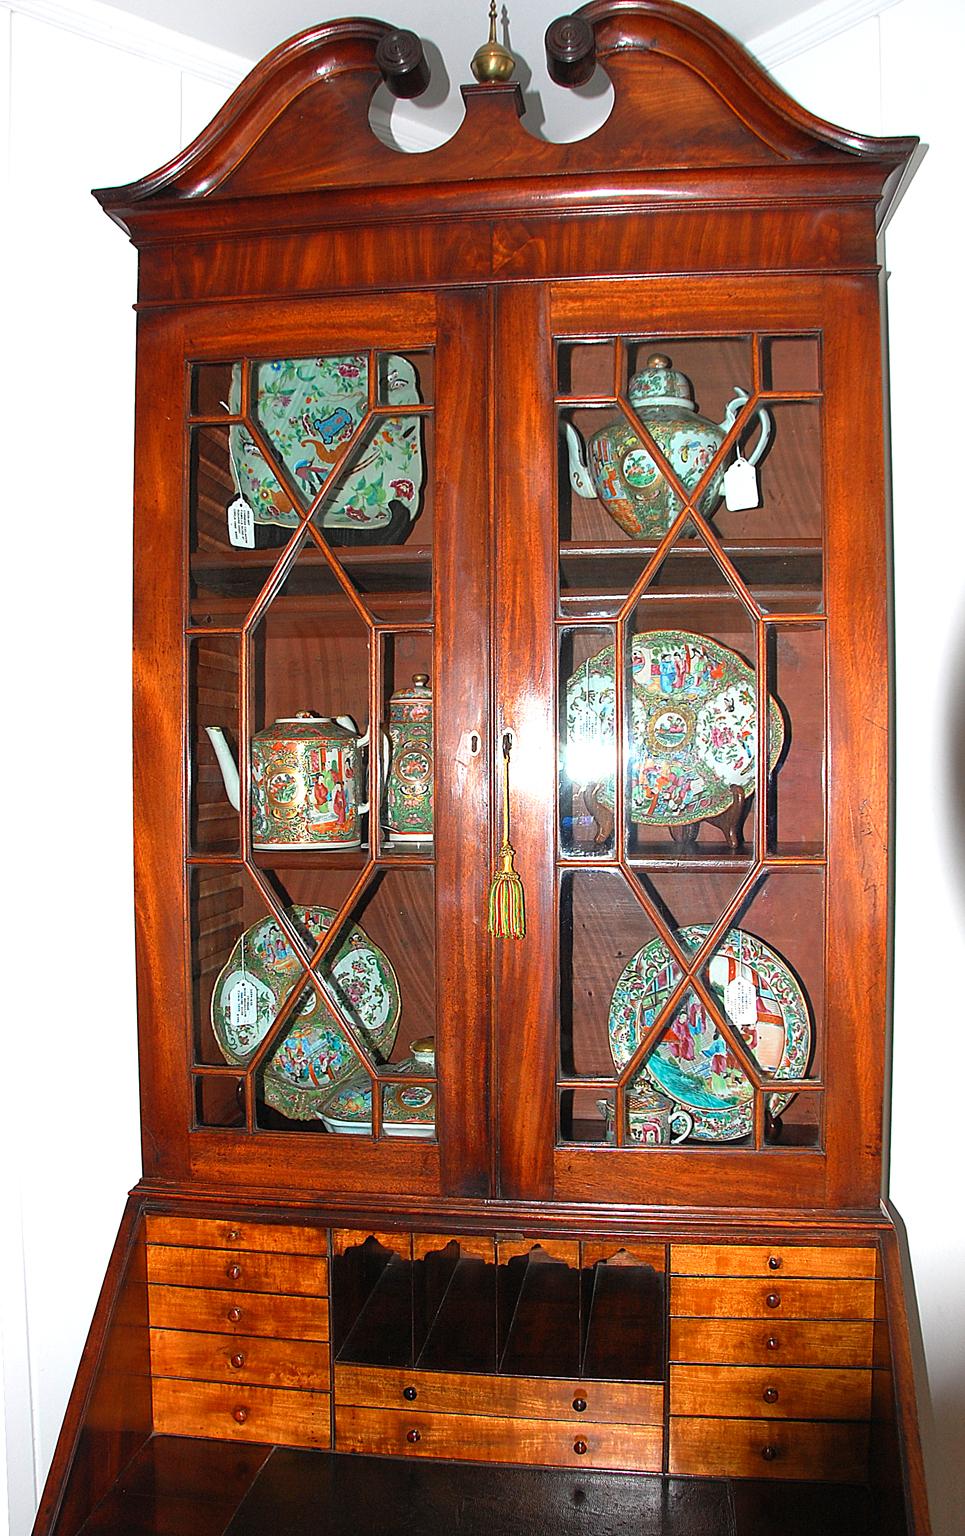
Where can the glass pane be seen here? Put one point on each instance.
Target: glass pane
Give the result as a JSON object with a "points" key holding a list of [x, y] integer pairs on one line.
{"points": [[214, 671], [796, 803], [587, 735], [211, 389], [776, 544], [691, 702]]}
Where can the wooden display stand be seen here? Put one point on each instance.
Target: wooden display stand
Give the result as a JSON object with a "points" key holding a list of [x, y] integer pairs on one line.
{"points": [[722, 1317]]}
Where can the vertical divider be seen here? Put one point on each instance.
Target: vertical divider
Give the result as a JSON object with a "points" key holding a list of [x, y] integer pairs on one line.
{"points": [[525, 702]]}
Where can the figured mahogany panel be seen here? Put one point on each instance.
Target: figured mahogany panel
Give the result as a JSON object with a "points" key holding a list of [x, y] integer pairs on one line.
{"points": [[239, 1312], [833, 1453], [265, 1415], [514, 1397]]}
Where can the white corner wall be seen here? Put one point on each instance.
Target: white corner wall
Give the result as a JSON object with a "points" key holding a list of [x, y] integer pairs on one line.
{"points": [[97, 98]]}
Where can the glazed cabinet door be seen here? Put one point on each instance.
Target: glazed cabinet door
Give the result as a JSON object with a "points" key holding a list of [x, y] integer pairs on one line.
{"points": [[314, 650], [693, 667]]}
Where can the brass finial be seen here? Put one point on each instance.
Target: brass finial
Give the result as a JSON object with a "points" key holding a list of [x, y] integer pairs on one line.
{"points": [[492, 61]]}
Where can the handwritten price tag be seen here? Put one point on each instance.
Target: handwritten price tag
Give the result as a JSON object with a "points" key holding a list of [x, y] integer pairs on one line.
{"points": [[243, 1006], [740, 486], [740, 1002], [241, 524]]}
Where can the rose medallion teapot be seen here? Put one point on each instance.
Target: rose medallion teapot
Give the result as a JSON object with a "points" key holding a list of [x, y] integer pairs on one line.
{"points": [[305, 776], [408, 789], [653, 1118], [621, 472]]}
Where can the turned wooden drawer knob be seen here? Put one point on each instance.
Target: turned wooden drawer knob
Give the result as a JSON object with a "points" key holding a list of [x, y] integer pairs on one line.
{"points": [[233, 1234], [580, 1447], [234, 1314], [238, 1361], [413, 1436], [770, 1394], [233, 1271], [579, 1405], [774, 1262], [410, 1394], [773, 1342], [773, 1300], [769, 1452], [239, 1414]]}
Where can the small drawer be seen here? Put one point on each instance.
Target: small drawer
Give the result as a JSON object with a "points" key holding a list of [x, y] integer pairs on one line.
{"points": [[238, 1312], [776, 1260], [582, 1402], [477, 1437], [227, 1412], [220, 1357], [256, 1236], [281, 1273], [832, 1453], [692, 1296], [736, 1341], [748, 1392]]}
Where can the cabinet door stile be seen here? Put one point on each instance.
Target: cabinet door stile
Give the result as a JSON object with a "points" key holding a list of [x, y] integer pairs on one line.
{"points": [[462, 803], [525, 613], [159, 776]]}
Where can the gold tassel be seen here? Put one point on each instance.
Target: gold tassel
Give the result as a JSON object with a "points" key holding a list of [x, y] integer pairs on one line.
{"points": [[507, 913]]}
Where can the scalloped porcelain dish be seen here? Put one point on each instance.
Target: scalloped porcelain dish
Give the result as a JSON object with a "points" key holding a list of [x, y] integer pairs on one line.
{"points": [[693, 727], [315, 1055]]}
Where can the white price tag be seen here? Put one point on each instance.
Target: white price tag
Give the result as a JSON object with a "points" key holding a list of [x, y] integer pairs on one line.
{"points": [[740, 1002], [740, 485], [243, 1005], [241, 524]]}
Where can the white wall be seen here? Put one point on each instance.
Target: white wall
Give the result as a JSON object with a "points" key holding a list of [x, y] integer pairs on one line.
{"points": [[96, 98]]}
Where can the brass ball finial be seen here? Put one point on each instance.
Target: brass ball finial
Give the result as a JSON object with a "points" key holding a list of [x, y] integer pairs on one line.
{"points": [[492, 61]]}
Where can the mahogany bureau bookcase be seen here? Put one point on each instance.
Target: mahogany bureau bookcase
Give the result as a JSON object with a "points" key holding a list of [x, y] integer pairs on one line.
{"points": [[512, 904]]}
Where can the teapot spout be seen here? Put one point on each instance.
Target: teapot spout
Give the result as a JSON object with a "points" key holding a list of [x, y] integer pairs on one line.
{"points": [[579, 474], [227, 764]]}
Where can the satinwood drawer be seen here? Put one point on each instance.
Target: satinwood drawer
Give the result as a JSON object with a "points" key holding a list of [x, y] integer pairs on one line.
{"points": [[201, 1232], [219, 1411], [218, 1268], [693, 1296], [778, 1341], [238, 1312], [776, 1260], [744, 1392], [586, 1402], [480, 1437], [835, 1453], [266, 1362]]}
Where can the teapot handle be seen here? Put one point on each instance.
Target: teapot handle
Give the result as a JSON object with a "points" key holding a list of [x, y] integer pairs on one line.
{"points": [[365, 742], [681, 1117], [740, 399]]}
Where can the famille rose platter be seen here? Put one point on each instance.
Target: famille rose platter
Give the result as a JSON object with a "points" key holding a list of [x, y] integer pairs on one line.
{"points": [[315, 1054], [308, 408], [693, 727], [693, 1063]]}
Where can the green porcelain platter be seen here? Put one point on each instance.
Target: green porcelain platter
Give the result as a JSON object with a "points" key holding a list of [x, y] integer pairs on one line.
{"points": [[315, 1054]]}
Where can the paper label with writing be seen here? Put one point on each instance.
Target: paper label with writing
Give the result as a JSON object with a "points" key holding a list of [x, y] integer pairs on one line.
{"points": [[241, 524], [243, 1005], [740, 486], [740, 1001]]}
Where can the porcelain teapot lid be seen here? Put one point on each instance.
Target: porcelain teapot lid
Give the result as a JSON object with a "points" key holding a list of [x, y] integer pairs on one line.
{"points": [[661, 384], [308, 725]]}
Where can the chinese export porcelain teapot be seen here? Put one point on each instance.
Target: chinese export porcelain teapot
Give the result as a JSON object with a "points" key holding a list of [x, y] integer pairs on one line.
{"points": [[623, 474], [304, 781], [408, 789], [653, 1118]]}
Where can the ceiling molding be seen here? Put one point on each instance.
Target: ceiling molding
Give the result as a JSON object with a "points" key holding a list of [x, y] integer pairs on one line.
{"points": [[815, 26], [145, 39]]}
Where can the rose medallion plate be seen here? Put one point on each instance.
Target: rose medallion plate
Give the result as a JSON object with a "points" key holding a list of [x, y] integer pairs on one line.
{"points": [[693, 726], [308, 408], [758, 994], [315, 1055]]}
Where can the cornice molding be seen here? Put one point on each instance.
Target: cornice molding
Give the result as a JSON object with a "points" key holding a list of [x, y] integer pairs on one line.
{"points": [[132, 34], [818, 25]]}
